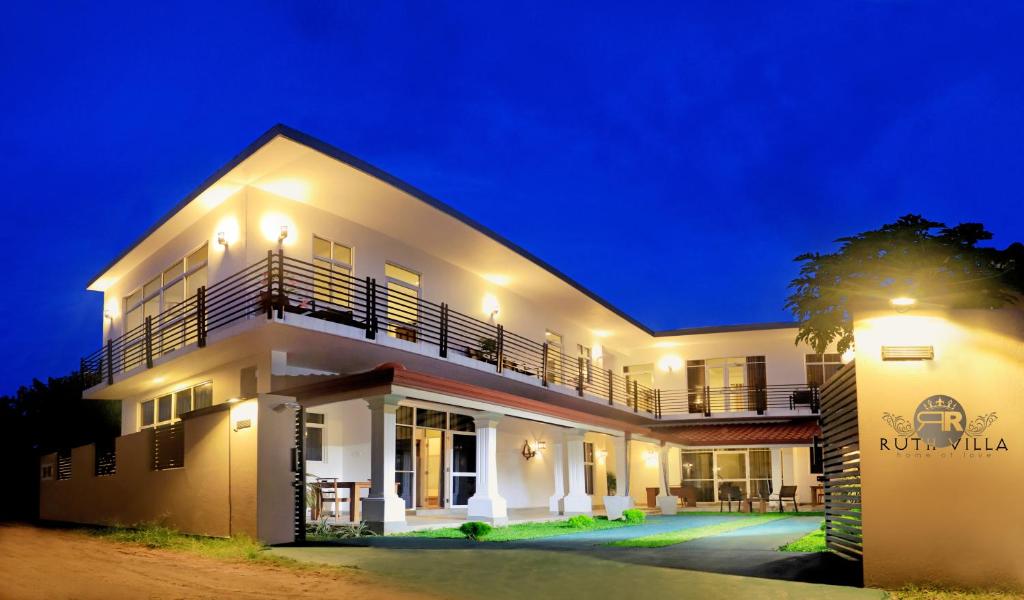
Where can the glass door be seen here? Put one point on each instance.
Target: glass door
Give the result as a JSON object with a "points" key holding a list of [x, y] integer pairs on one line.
{"points": [[731, 471], [462, 480], [430, 456], [726, 378]]}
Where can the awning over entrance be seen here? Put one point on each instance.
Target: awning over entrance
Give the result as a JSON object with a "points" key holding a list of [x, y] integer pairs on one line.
{"points": [[742, 434]]}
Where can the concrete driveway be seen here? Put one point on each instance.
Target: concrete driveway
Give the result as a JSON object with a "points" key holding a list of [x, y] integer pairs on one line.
{"points": [[739, 564]]}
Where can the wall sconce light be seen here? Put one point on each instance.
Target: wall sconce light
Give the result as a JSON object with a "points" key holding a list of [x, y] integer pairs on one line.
{"points": [[528, 452], [283, 233], [670, 363], [601, 455], [542, 445], [903, 303], [108, 314], [222, 238], [651, 458], [491, 306]]}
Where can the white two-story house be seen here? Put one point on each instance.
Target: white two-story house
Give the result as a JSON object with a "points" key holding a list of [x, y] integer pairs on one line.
{"points": [[305, 318]]}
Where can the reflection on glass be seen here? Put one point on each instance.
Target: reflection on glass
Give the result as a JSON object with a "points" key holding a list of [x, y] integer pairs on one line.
{"points": [[463, 453], [462, 489]]}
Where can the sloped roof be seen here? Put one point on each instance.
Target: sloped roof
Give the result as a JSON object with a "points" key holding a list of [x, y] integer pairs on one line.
{"points": [[739, 434], [379, 174]]}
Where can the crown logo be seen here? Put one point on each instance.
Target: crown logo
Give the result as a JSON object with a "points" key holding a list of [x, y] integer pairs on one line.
{"points": [[942, 403]]}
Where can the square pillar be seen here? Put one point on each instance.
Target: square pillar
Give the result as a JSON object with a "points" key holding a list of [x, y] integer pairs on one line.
{"points": [[778, 473], [486, 504], [576, 502], [383, 508], [614, 505], [558, 461], [666, 501]]}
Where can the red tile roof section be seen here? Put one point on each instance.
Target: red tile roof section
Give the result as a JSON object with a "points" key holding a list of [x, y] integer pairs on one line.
{"points": [[800, 432]]}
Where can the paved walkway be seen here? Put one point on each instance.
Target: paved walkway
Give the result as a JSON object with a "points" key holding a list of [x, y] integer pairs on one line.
{"points": [[582, 564]]}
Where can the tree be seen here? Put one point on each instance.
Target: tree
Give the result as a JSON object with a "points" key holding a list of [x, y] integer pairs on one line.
{"points": [[914, 257], [41, 418]]}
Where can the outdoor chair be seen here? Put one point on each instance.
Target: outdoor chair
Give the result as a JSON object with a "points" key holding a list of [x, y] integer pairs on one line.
{"points": [[801, 398], [788, 492], [727, 493]]}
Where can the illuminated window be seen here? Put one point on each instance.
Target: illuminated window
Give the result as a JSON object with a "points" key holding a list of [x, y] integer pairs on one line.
{"points": [[588, 468], [158, 298], [332, 278], [403, 288], [821, 367], [316, 437], [641, 374], [588, 361], [170, 407], [554, 342]]}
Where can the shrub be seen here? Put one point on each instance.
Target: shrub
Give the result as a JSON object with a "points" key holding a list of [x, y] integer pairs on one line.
{"points": [[474, 530], [581, 522], [634, 515]]}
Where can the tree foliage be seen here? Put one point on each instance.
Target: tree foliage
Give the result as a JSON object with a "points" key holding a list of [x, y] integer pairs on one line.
{"points": [[914, 257], [41, 418]]}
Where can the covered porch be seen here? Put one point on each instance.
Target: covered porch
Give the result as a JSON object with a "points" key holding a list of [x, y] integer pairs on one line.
{"points": [[417, 451]]}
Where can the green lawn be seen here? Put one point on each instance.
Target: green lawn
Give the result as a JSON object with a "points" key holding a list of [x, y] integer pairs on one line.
{"points": [[670, 538], [812, 542], [521, 531], [930, 593], [241, 548]]}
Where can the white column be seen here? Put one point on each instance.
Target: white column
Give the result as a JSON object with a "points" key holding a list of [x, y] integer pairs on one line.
{"points": [[576, 502], [486, 504], [666, 502], [778, 476], [383, 509], [558, 461], [614, 505]]}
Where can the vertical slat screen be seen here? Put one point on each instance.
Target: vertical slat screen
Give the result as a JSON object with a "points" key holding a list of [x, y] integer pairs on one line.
{"points": [[64, 464], [169, 446], [106, 457], [299, 475], [841, 458]]}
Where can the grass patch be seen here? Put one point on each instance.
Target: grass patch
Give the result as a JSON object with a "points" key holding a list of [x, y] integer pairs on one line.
{"points": [[812, 542], [788, 513], [913, 592], [671, 538], [237, 548], [521, 531]]}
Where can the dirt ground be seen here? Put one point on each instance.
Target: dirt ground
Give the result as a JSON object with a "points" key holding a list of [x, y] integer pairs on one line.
{"points": [[50, 563]]}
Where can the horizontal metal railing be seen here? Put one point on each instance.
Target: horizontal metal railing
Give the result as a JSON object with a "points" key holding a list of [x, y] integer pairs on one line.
{"points": [[759, 399], [281, 284]]}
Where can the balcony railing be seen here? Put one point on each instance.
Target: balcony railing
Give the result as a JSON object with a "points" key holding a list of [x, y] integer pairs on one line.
{"points": [[281, 284], [759, 399]]}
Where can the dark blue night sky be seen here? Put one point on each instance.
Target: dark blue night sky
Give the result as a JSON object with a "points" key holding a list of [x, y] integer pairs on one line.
{"points": [[673, 159]]}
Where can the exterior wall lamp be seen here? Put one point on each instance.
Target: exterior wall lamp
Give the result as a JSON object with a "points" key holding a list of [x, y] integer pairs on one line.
{"points": [[903, 303], [222, 239], [528, 451], [283, 233]]}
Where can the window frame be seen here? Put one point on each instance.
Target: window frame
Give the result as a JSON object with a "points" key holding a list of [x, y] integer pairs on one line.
{"points": [[322, 427], [821, 362], [175, 416], [188, 270], [395, 317], [555, 342], [587, 354], [589, 468], [342, 297]]}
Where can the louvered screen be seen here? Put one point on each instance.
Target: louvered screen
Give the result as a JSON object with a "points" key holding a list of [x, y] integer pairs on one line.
{"points": [[169, 446], [841, 464]]}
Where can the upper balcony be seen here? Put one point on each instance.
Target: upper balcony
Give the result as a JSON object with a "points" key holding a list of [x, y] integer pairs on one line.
{"points": [[281, 285]]}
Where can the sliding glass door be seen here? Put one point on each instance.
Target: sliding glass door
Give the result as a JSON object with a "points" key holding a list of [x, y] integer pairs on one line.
{"points": [[463, 461]]}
